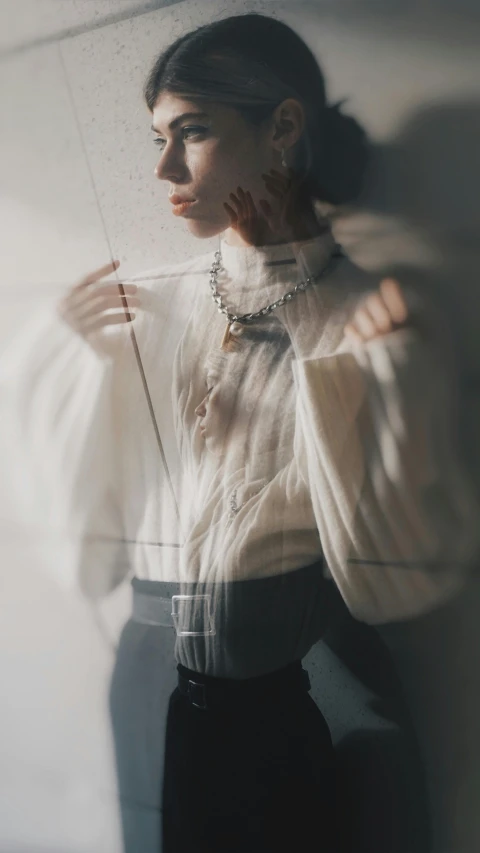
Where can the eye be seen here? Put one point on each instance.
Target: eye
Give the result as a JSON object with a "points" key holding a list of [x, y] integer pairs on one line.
{"points": [[194, 130], [187, 132]]}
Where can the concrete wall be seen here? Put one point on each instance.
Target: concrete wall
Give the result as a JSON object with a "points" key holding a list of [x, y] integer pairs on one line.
{"points": [[76, 172]]}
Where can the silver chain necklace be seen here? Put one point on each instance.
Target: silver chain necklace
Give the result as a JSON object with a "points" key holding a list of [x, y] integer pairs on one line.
{"points": [[235, 322]]}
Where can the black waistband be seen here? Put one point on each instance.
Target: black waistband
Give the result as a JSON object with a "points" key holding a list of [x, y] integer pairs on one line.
{"points": [[206, 692], [292, 673]]}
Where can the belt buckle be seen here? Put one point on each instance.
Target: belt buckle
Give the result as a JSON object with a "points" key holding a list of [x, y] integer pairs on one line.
{"points": [[208, 619], [192, 685]]}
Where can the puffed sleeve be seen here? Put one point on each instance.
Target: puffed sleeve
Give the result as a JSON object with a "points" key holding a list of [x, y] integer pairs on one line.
{"points": [[396, 514], [58, 461]]}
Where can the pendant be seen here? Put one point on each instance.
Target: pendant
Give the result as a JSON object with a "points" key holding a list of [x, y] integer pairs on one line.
{"points": [[232, 332], [226, 339]]}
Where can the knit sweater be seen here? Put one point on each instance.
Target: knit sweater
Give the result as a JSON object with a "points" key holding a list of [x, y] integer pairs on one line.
{"points": [[251, 479]]}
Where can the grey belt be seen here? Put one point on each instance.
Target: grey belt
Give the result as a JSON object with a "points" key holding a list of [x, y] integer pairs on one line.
{"points": [[188, 615]]}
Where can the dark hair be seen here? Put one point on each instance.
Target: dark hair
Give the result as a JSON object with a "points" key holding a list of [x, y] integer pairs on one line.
{"points": [[253, 62]]}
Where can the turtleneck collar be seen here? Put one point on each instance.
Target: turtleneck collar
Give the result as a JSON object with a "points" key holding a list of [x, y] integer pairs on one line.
{"points": [[254, 266]]}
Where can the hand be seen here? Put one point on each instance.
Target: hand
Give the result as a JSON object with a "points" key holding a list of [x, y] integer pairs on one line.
{"points": [[290, 217], [382, 312], [85, 307], [293, 214], [246, 220]]}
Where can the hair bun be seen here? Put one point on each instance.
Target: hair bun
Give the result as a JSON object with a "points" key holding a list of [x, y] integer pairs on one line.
{"points": [[339, 165]]}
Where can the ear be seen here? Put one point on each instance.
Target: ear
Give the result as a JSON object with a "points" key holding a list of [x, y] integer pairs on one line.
{"points": [[288, 122]]}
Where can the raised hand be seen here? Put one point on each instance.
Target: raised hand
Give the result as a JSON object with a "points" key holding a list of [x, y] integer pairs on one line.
{"points": [[382, 312], [88, 307], [292, 213], [246, 219], [288, 216]]}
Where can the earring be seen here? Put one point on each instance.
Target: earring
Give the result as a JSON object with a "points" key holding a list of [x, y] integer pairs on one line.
{"points": [[284, 162]]}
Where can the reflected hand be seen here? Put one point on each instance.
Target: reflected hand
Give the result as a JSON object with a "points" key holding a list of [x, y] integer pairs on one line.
{"points": [[246, 219], [382, 312], [289, 217], [292, 213], [86, 308]]}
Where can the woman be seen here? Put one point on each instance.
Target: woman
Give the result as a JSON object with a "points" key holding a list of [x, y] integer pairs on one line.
{"points": [[249, 537]]}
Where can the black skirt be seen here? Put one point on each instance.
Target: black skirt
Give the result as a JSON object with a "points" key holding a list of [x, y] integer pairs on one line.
{"points": [[259, 773], [252, 775]]}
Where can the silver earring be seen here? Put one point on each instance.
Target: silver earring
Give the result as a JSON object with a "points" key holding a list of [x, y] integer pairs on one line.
{"points": [[284, 162]]}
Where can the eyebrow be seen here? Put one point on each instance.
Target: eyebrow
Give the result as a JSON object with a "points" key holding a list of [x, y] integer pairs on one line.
{"points": [[176, 121]]}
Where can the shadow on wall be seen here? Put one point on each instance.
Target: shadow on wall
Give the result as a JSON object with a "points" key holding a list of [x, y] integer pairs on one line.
{"points": [[433, 167], [420, 221], [431, 179]]}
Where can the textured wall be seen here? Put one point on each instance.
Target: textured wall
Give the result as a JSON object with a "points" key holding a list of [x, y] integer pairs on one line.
{"points": [[76, 173]]}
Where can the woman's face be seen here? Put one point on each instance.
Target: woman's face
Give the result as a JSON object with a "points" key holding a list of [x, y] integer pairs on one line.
{"points": [[206, 152], [223, 419], [214, 415]]}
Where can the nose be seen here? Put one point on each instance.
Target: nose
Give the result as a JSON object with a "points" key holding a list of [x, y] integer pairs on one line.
{"points": [[170, 166], [201, 409]]}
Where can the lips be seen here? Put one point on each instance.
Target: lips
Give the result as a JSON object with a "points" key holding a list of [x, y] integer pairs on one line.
{"points": [[180, 207], [178, 199]]}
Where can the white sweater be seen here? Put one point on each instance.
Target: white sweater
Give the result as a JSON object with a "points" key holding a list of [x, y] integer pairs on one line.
{"points": [[318, 461]]}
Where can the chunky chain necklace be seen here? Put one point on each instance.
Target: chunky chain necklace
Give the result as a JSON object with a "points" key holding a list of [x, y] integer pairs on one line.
{"points": [[236, 322]]}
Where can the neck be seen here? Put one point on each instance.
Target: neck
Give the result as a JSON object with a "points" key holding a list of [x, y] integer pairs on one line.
{"points": [[308, 228], [234, 238]]}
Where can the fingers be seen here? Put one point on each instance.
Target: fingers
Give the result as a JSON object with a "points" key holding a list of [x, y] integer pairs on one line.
{"points": [[107, 303], [93, 320], [241, 206], [281, 184], [286, 191], [244, 207], [247, 204], [266, 208], [364, 324], [274, 187], [364, 327], [84, 306], [379, 314], [394, 300], [76, 300], [87, 325], [350, 331], [238, 200], [251, 205], [80, 297], [237, 211], [241, 196], [233, 216], [279, 180], [280, 175], [290, 176], [382, 312], [94, 276], [106, 320]]}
